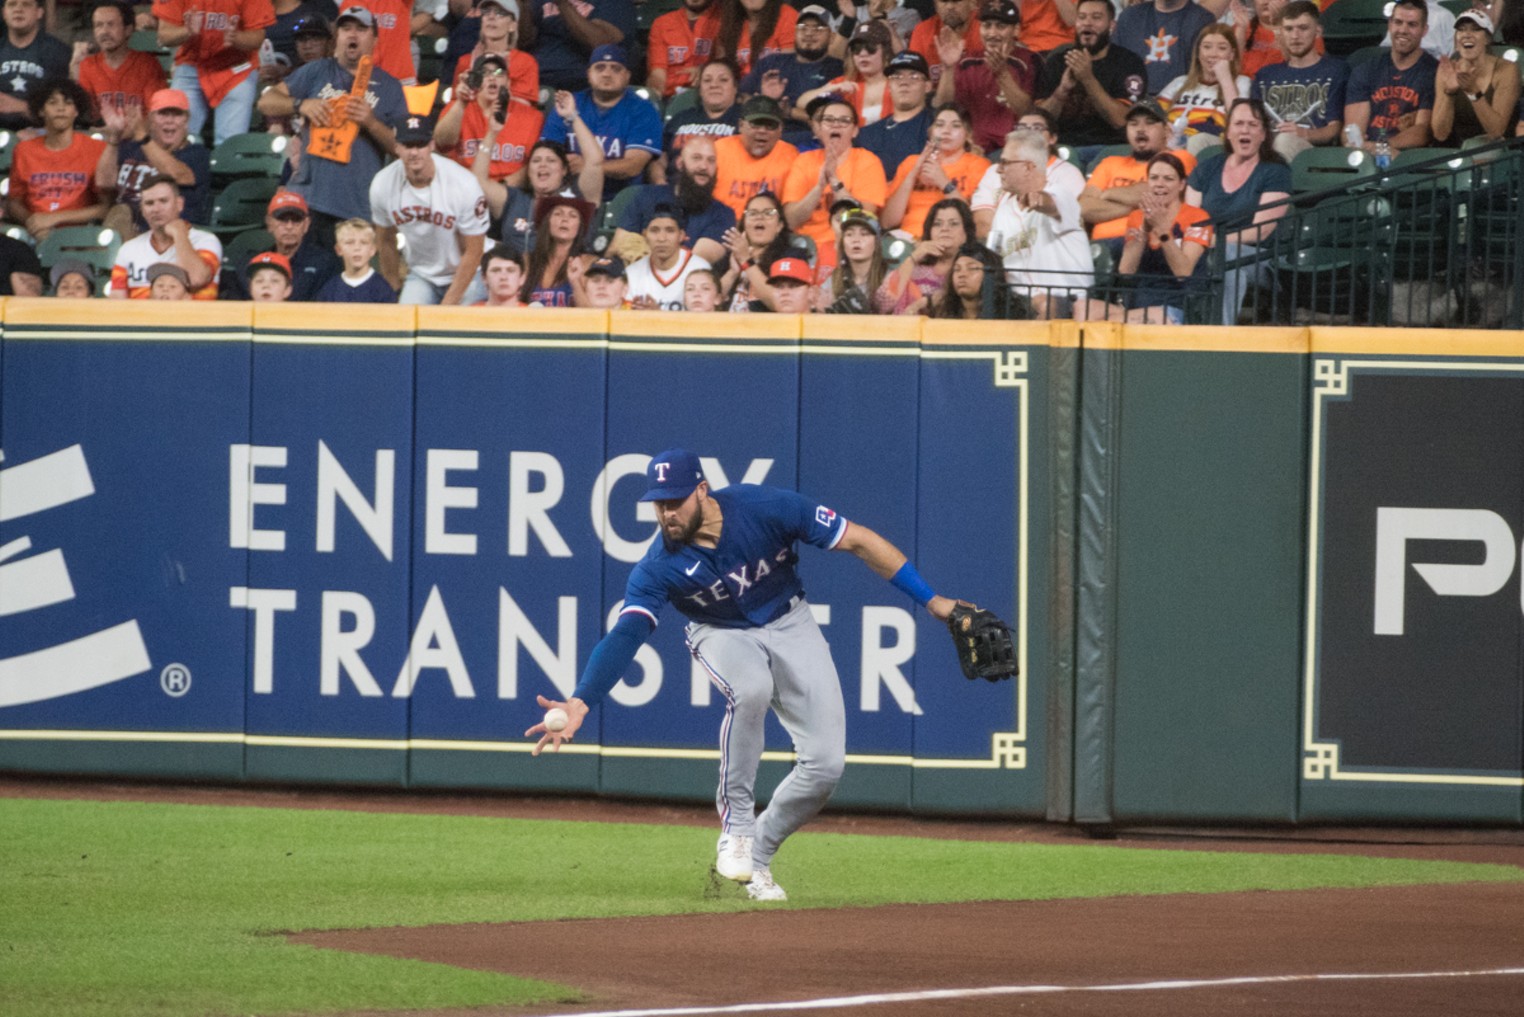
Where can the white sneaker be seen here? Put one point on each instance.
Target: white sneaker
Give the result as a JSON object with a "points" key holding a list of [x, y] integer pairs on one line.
{"points": [[733, 857], [762, 886]]}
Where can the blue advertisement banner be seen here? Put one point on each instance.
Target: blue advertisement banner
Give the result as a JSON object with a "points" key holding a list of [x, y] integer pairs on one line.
{"points": [[387, 534]]}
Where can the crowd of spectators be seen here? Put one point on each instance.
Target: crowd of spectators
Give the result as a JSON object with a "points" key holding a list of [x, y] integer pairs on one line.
{"points": [[797, 143]]}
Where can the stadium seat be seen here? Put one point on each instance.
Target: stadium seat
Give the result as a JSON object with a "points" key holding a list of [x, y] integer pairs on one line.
{"points": [[241, 205], [1350, 24], [895, 249], [249, 155], [614, 208], [96, 246], [1319, 168], [805, 248], [19, 233], [680, 103], [237, 252], [1364, 54], [8, 142]]}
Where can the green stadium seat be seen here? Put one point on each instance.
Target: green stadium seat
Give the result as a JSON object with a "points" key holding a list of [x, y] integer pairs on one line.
{"points": [[237, 252], [1104, 153], [1350, 24], [682, 102], [241, 205], [249, 155], [895, 249], [1318, 168]]}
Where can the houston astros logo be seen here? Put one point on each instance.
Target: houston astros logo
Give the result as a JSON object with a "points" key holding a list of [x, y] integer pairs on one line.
{"points": [[42, 580]]}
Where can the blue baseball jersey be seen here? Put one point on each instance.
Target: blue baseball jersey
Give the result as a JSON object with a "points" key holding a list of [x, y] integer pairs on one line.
{"points": [[749, 578], [631, 123]]}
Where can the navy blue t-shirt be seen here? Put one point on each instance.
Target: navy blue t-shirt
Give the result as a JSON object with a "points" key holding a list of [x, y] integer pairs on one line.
{"points": [[1165, 41], [342, 190], [748, 579], [133, 167], [21, 67], [1395, 96], [1309, 96], [895, 141], [710, 223], [798, 77], [563, 60], [695, 121]]}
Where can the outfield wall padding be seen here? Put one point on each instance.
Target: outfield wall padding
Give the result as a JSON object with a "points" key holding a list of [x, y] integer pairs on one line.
{"points": [[1265, 576]]}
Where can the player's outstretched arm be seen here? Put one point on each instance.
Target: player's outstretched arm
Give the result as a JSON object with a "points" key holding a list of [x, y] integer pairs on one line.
{"points": [[605, 666], [890, 562]]}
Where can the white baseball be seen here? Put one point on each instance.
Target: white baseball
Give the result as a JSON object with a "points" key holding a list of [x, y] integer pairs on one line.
{"points": [[555, 719]]}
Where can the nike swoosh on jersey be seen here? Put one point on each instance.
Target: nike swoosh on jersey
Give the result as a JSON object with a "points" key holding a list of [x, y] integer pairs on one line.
{"points": [[694, 568]]}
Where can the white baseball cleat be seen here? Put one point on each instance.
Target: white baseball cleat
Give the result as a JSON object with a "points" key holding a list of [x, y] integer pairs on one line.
{"points": [[762, 886], [733, 857]]}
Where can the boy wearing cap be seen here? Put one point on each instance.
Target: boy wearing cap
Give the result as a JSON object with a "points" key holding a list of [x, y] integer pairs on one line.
{"points": [[466, 121], [836, 170], [29, 56], [627, 127], [571, 30], [269, 278], [785, 77], [996, 87], [903, 132], [727, 561], [604, 285], [309, 266], [657, 280], [680, 42], [169, 240], [441, 210], [755, 159], [117, 75], [334, 174], [790, 285], [216, 45], [167, 281], [160, 146], [72, 279]]}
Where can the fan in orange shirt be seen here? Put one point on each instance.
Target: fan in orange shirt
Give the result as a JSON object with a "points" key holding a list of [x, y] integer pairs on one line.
{"points": [[956, 17], [1046, 24], [466, 122], [118, 74], [947, 168], [681, 41], [53, 176], [742, 22], [216, 57], [835, 172], [754, 160]]}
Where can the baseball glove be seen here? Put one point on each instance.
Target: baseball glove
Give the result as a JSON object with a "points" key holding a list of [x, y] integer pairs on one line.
{"points": [[984, 643]]}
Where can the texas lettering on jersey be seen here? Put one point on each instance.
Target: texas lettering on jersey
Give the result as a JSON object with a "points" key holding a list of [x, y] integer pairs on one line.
{"points": [[736, 582]]}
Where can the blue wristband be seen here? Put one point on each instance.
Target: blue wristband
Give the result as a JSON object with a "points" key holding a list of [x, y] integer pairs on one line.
{"points": [[909, 582]]}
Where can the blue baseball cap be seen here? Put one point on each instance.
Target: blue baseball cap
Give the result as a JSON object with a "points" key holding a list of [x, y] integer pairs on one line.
{"points": [[611, 53], [672, 475]]}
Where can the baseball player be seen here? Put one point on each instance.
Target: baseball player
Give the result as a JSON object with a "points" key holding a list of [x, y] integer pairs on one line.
{"points": [[726, 560]]}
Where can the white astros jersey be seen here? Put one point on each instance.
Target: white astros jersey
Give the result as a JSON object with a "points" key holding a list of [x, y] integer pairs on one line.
{"points": [[432, 218], [666, 288]]}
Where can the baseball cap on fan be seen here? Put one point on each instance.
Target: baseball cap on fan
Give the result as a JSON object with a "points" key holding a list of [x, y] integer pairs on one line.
{"points": [[672, 475], [354, 12]]}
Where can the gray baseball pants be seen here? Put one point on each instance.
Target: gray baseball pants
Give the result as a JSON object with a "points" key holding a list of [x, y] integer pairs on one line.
{"points": [[784, 665]]}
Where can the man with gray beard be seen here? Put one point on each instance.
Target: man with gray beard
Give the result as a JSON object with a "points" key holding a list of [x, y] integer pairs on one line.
{"points": [[692, 191]]}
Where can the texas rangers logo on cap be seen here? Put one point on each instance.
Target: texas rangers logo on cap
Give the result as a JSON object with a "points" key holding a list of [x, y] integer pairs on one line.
{"points": [[672, 475]]}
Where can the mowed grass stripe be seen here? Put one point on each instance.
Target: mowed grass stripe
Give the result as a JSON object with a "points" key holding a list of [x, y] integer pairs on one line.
{"points": [[114, 908]]}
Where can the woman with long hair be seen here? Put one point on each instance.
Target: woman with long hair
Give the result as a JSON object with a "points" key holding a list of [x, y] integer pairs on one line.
{"points": [[1476, 94], [761, 238], [861, 282], [864, 84], [1197, 101], [553, 277], [976, 289], [948, 165], [744, 22], [1244, 190], [546, 171], [947, 228], [1162, 256]]}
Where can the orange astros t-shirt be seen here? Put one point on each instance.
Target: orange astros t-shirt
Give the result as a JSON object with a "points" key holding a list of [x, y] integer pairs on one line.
{"points": [[782, 39], [739, 178], [512, 146], [523, 74], [861, 172], [131, 84], [45, 180], [1042, 27], [681, 47], [965, 172]]}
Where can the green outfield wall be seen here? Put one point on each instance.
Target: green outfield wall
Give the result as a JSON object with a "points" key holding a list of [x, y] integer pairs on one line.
{"points": [[1257, 575]]}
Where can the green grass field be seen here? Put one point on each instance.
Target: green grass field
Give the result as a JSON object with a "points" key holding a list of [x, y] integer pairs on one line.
{"points": [[126, 909]]}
